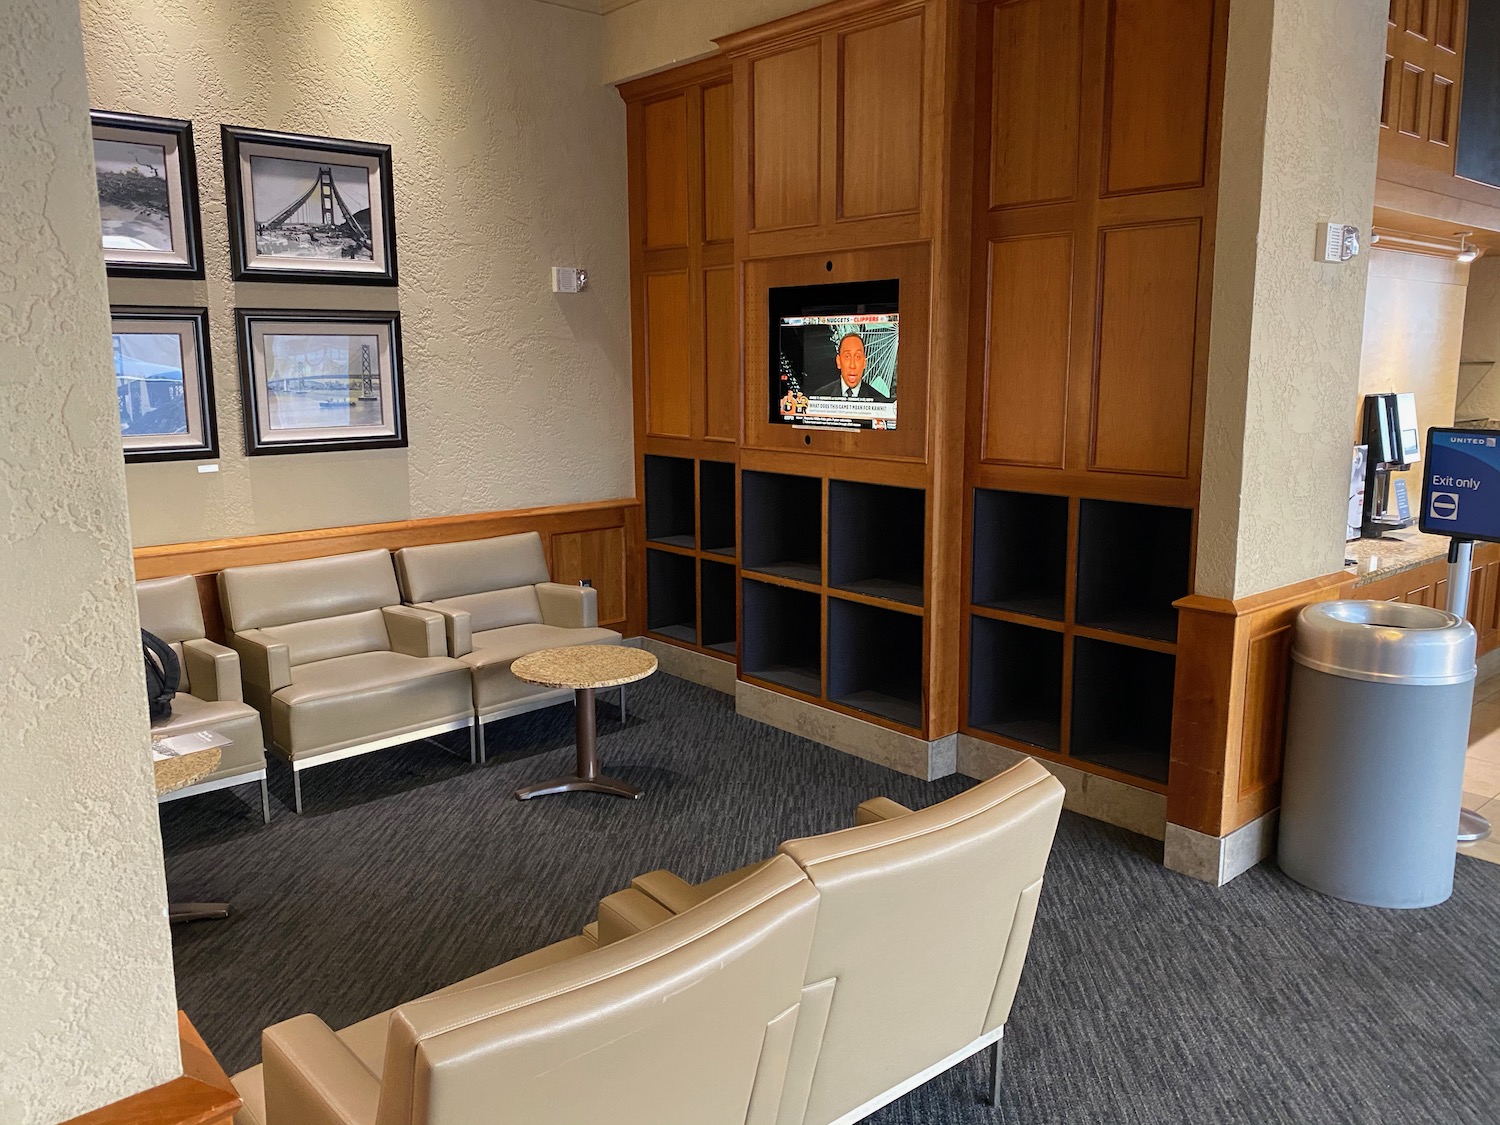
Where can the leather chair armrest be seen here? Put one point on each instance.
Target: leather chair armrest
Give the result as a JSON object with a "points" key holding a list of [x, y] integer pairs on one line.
{"points": [[877, 809], [627, 912], [264, 662], [678, 895], [213, 671], [568, 607], [415, 632], [457, 624], [313, 1078]]}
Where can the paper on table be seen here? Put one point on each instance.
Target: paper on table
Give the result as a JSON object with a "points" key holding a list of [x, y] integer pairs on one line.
{"points": [[180, 744]]}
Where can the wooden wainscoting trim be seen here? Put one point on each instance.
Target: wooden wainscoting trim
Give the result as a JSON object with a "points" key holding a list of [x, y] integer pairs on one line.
{"points": [[578, 539], [203, 1095], [1229, 703]]}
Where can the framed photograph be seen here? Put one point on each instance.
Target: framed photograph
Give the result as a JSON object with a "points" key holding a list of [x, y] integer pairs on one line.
{"points": [[308, 208], [315, 382], [164, 383], [148, 196]]}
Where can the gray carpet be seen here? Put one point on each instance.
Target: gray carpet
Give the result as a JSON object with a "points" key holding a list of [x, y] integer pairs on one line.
{"points": [[1147, 997]]}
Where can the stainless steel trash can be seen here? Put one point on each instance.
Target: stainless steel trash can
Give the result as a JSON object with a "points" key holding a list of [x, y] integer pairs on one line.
{"points": [[1377, 729]]}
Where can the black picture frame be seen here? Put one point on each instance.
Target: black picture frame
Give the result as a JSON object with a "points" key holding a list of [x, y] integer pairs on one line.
{"points": [[261, 438], [200, 415], [175, 136], [248, 262]]}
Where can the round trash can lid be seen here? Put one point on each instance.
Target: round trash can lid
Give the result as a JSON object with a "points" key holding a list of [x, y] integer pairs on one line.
{"points": [[1387, 642]]}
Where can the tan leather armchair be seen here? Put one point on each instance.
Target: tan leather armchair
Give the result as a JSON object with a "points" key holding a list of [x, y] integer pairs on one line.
{"points": [[208, 695], [688, 1023], [334, 663], [924, 920], [497, 604]]}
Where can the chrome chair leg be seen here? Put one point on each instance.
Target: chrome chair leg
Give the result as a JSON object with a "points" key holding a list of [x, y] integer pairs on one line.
{"points": [[297, 789], [265, 802]]}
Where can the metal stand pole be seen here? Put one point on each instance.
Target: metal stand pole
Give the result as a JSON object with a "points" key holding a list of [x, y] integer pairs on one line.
{"points": [[1471, 826]]}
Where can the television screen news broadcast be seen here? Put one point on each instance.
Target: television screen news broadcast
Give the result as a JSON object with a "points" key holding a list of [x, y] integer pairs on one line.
{"points": [[833, 355]]}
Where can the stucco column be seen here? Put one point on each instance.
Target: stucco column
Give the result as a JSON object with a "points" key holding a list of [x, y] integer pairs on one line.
{"points": [[87, 1005], [1301, 132]]}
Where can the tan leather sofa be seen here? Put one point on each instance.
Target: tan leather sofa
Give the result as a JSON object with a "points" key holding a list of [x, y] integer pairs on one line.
{"points": [[209, 696], [497, 604], [689, 1023], [924, 920], [334, 663]]}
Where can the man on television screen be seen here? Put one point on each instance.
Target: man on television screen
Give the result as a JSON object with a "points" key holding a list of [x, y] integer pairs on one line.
{"points": [[850, 360]]}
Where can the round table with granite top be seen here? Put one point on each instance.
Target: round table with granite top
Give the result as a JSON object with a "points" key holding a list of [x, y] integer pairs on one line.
{"points": [[177, 773], [584, 668]]}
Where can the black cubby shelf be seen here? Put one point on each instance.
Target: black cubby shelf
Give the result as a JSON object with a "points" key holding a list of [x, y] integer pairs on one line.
{"points": [[781, 636], [1015, 681], [1020, 552], [716, 507], [1133, 564], [782, 525], [1122, 708], [671, 596], [875, 660], [876, 536], [670, 500], [716, 591]]}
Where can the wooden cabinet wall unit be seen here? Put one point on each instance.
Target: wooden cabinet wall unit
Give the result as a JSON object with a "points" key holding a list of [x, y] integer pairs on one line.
{"points": [[1425, 124], [1095, 184]]}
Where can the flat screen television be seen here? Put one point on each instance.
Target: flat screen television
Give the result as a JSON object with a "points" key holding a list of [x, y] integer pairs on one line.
{"points": [[833, 355]]}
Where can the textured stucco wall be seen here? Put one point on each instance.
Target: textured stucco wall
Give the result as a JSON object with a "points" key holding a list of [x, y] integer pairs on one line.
{"points": [[1479, 385], [1414, 323], [86, 995], [509, 159], [1301, 108], [641, 36]]}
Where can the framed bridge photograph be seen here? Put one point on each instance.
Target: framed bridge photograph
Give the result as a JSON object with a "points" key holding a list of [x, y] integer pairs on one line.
{"points": [[317, 382], [148, 195], [308, 208], [164, 383]]}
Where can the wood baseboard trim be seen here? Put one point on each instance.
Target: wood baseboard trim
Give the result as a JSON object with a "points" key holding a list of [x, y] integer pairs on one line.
{"points": [[203, 1095]]}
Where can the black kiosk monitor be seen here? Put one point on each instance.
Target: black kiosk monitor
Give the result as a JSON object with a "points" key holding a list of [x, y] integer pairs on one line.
{"points": [[833, 355]]}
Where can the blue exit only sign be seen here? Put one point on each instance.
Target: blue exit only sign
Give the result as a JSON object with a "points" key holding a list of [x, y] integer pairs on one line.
{"points": [[1461, 484]]}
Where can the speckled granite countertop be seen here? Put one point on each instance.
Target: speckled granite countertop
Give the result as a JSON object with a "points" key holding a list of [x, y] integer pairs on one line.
{"points": [[1375, 559]]}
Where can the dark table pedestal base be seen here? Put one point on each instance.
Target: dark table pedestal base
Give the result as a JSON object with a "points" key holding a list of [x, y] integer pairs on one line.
{"points": [[587, 779]]}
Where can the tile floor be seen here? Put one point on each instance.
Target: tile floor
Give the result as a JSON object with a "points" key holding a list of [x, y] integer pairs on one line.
{"points": [[1482, 767]]}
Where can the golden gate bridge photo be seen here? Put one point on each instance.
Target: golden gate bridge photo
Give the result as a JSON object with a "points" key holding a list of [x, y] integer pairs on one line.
{"points": [[322, 219]]}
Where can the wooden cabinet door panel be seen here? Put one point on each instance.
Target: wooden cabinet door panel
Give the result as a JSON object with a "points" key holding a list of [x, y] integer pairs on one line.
{"points": [[1160, 54], [718, 163], [1031, 295], [1037, 84], [666, 161], [721, 354], [669, 377], [786, 138], [1147, 323], [880, 119]]}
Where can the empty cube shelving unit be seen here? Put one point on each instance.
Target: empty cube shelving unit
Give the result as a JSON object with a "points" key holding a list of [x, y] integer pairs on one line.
{"points": [[781, 638], [716, 596], [1015, 681], [1122, 707], [876, 536], [875, 660], [716, 507], [1021, 552], [670, 500], [1133, 564], [672, 595], [782, 525]]}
